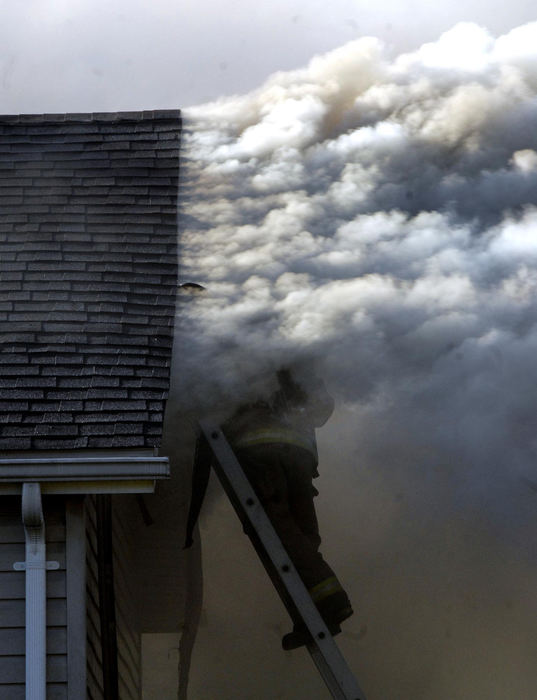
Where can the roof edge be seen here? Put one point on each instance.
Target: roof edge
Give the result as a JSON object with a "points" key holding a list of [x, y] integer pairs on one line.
{"points": [[86, 117], [78, 468]]}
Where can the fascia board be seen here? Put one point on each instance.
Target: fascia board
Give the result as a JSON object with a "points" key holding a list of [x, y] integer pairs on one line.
{"points": [[89, 474]]}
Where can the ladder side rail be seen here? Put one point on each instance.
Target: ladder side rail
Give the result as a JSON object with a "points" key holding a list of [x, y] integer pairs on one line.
{"points": [[250, 511], [324, 651], [263, 555], [253, 535], [323, 667]]}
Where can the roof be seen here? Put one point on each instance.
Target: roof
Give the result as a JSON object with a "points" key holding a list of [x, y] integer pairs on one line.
{"points": [[88, 275]]}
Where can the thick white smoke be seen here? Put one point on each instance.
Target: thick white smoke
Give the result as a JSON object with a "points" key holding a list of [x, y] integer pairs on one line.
{"points": [[379, 216]]}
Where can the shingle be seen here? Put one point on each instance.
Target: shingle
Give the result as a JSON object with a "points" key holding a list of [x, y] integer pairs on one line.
{"points": [[71, 406], [11, 417], [11, 267], [54, 370], [112, 428], [58, 327], [39, 255], [55, 443], [158, 361], [142, 128], [156, 417], [103, 417], [9, 406], [31, 382], [56, 430], [66, 394], [45, 406], [16, 443], [153, 429], [153, 372], [147, 394], [23, 328], [62, 338], [109, 356], [17, 370], [53, 417], [134, 361], [117, 441], [91, 383], [97, 429], [8, 358], [129, 428], [102, 327], [155, 382], [108, 394], [122, 406], [22, 394], [16, 431], [168, 136], [62, 316]]}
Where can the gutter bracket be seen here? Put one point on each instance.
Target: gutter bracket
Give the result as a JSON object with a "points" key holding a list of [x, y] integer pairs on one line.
{"points": [[48, 565]]}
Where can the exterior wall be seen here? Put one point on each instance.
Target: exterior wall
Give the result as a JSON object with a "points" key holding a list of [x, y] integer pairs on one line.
{"points": [[69, 620], [12, 601]]}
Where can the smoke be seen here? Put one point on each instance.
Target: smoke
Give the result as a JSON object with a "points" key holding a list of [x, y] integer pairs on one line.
{"points": [[378, 217]]}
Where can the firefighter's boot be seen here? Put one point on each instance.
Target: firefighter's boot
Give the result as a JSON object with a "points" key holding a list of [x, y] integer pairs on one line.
{"points": [[333, 608]]}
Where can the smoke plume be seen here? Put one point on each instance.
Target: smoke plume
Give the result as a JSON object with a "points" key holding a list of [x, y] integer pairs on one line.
{"points": [[378, 217]]}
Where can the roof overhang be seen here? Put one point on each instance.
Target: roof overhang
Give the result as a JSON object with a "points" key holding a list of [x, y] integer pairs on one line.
{"points": [[116, 471]]}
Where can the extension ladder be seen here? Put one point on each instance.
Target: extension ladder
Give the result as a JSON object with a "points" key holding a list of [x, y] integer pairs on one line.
{"points": [[324, 651]]}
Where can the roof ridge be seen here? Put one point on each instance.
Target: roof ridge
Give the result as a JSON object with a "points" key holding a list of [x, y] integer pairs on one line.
{"points": [[81, 117]]}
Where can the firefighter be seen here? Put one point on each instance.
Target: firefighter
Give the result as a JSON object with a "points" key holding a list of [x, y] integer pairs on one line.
{"points": [[275, 444], [274, 441]]}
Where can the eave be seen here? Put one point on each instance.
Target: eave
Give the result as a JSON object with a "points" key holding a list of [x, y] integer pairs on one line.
{"points": [[132, 471]]}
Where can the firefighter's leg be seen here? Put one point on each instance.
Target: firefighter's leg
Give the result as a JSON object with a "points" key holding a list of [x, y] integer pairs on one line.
{"points": [[323, 585], [299, 475], [265, 467]]}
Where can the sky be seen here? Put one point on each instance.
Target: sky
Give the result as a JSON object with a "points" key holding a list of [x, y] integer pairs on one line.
{"points": [[358, 192], [91, 55]]}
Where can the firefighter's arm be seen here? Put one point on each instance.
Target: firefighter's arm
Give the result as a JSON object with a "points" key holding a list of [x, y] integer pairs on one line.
{"points": [[321, 404], [315, 400]]}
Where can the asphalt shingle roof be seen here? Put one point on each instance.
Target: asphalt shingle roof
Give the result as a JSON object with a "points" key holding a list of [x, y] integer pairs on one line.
{"points": [[88, 274]]}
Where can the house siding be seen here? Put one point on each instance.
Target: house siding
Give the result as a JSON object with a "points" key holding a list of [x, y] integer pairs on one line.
{"points": [[12, 601]]}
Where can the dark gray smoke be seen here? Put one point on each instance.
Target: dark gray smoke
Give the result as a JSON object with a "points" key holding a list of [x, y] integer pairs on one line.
{"points": [[380, 217]]}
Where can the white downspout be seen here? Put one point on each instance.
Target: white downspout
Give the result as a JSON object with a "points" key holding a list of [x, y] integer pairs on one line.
{"points": [[36, 592]]}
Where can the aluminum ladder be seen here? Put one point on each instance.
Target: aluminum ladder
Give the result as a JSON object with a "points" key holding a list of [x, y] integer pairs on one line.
{"points": [[329, 661]]}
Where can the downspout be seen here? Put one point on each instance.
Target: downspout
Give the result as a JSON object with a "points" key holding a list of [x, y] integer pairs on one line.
{"points": [[36, 593]]}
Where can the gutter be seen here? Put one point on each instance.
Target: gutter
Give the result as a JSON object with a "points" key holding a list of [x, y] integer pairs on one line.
{"points": [[79, 473], [108, 467]]}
